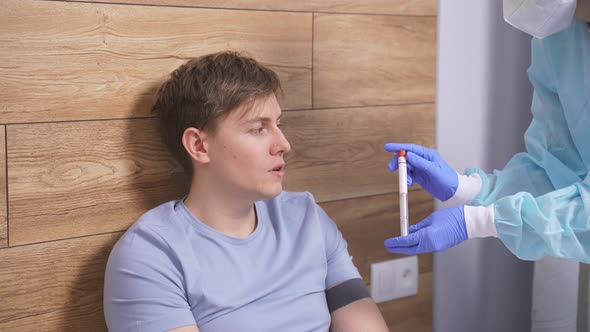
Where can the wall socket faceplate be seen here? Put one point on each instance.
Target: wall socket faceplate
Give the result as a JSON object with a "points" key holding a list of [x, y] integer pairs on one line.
{"points": [[394, 279]]}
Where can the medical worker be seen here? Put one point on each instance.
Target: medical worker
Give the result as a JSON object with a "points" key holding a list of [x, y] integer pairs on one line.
{"points": [[539, 204]]}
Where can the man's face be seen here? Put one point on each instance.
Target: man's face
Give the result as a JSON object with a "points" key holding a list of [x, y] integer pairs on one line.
{"points": [[246, 151]]}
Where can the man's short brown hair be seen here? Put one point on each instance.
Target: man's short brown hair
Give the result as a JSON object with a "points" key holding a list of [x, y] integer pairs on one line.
{"points": [[205, 89]]}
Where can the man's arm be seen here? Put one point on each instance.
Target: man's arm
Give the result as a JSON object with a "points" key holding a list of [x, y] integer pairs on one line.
{"points": [[349, 302], [353, 309], [190, 328], [360, 315]]}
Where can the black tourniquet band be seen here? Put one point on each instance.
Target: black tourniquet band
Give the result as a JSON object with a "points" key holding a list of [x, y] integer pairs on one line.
{"points": [[345, 293]]}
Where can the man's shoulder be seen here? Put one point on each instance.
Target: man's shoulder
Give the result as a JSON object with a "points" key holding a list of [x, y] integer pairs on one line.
{"points": [[154, 226], [149, 249], [158, 216]]}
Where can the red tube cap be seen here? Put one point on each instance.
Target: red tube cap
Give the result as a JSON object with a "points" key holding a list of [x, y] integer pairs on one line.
{"points": [[401, 153]]}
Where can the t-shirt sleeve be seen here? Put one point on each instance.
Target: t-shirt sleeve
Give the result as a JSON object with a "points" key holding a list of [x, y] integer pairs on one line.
{"points": [[340, 266], [143, 288]]}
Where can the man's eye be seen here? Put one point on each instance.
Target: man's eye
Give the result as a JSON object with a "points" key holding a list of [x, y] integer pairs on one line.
{"points": [[259, 130]]}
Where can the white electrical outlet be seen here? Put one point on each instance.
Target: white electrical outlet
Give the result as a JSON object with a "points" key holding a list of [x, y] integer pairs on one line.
{"points": [[394, 279]]}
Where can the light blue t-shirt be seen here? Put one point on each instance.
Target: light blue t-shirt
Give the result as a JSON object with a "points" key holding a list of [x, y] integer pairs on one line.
{"points": [[170, 270]]}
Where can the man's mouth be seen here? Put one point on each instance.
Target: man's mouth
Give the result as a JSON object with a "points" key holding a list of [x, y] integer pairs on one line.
{"points": [[278, 169]]}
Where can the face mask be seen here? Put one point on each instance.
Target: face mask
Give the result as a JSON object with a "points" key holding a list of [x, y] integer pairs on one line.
{"points": [[539, 18]]}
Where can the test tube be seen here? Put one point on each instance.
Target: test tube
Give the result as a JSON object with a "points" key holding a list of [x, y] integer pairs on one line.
{"points": [[403, 192]]}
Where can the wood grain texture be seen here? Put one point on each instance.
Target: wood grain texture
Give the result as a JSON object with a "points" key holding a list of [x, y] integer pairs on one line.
{"points": [[367, 221], [66, 61], [70, 182], [3, 215], [83, 178], [55, 286], [392, 7], [373, 60], [338, 153]]}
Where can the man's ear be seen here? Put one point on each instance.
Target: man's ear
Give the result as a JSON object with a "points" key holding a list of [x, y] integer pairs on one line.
{"points": [[194, 142]]}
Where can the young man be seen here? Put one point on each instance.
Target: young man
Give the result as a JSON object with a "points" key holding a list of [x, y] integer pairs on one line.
{"points": [[237, 253]]}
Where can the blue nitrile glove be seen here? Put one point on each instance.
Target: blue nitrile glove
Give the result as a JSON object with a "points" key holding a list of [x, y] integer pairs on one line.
{"points": [[439, 231], [426, 167]]}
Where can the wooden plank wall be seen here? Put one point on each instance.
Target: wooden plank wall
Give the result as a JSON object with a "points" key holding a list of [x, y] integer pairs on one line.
{"points": [[79, 160]]}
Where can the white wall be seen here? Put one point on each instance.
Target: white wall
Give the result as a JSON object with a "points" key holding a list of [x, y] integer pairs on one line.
{"points": [[483, 108]]}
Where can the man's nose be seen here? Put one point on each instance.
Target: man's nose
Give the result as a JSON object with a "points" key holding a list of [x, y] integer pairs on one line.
{"points": [[281, 144]]}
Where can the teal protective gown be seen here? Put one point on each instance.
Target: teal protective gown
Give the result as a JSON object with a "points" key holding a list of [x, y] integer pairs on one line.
{"points": [[542, 196]]}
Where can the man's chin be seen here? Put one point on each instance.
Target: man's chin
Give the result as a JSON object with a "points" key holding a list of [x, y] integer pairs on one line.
{"points": [[271, 193]]}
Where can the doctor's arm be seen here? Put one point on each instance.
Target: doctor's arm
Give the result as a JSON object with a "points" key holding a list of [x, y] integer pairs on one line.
{"points": [[554, 224], [448, 227]]}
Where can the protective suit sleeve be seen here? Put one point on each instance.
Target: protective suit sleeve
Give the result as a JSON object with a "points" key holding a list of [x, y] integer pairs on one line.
{"points": [[555, 224], [532, 219], [541, 199]]}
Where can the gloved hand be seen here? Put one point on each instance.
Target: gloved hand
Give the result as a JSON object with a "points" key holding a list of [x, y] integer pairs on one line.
{"points": [[439, 231], [426, 167]]}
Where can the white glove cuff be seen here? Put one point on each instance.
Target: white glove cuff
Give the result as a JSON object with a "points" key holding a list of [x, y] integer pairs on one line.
{"points": [[468, 187], [480, 221]]}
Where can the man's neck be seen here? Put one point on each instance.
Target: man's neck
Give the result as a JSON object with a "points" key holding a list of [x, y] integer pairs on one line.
{"points": [[220, 210]]}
